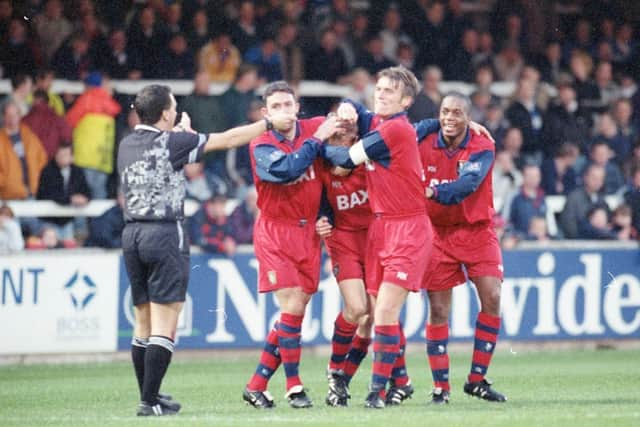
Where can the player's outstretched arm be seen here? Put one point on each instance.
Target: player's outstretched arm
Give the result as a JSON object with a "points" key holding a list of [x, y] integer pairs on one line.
{"points": [[426, 127], [274, 165], [242, 135], [371, 147]]}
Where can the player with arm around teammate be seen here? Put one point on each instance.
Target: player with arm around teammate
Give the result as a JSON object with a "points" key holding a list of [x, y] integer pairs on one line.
{"points": [[155, 247], [457, 166], [285, 168], [399, 238]]}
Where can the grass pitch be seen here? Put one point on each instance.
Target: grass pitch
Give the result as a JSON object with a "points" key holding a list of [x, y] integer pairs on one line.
{"points": [[568, 388]]}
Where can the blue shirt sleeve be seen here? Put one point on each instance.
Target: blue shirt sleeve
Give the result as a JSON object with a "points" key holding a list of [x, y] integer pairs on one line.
{"points": [[364, 117], [426, 127], [274, 165], [374, 146], [325, 208], [337, 156], [469, 179]]}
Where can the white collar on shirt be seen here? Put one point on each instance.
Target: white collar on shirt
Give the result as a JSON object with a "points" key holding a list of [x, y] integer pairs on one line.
{"points": [[147, 127]]}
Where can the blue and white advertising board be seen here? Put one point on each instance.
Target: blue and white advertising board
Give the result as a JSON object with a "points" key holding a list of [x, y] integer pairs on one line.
{"points": [[547, 295]]}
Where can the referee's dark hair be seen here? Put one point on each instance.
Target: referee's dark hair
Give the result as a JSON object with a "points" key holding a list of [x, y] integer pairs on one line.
{"points": [[151, 101]]}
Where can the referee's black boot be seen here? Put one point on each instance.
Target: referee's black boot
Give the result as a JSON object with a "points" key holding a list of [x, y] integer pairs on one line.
{"points": [[167, 401], [157, 410]]}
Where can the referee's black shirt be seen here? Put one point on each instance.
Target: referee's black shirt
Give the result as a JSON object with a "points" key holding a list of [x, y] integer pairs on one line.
{"points": [[150, 164]]}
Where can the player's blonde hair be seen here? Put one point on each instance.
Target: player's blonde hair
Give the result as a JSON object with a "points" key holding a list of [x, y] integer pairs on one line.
{"points": [[400, 74]]}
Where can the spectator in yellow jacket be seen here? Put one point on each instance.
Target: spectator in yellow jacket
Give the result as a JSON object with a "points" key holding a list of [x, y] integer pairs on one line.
{"points": [[220, 59], [22, 156]]}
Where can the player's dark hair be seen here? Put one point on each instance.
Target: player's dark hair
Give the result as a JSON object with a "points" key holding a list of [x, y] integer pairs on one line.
{"points": [[400, 74], [278, 86], [151, 101], [462, 97]]}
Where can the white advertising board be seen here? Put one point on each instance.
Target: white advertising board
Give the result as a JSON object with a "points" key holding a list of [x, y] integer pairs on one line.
{"points": [[61, 302]]}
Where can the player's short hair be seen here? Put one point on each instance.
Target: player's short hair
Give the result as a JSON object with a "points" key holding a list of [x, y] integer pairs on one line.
{"points": [[151, 101], [277, 86], [466, 101], [400, 74]]}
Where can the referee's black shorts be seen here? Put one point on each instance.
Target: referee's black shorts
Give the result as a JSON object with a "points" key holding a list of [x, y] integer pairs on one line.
{"points": [[156, 255]]}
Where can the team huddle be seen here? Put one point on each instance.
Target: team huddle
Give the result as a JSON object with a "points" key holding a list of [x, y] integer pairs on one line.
{"points": [[401, 208]]}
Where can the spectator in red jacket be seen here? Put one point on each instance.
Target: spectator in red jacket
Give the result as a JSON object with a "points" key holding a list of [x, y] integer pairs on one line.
{"points": [[52, 129]]}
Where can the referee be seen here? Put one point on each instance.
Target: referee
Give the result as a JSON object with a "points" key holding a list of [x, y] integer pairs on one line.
{"points": [[155, 247]]}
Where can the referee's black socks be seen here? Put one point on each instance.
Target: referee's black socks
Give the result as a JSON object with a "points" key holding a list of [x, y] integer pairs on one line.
{"points": [[156, 361], [138, 350]]}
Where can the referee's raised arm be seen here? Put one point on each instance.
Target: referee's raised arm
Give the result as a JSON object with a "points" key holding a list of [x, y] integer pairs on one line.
{"points": [[244, 134], [239, 135]]}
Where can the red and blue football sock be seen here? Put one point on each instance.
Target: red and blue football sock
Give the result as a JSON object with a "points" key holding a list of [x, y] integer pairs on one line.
{"points": [[437, 344], [269, 362], [487, 329], [343, 333]]}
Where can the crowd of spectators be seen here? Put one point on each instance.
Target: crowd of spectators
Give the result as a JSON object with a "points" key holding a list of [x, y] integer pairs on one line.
{"points": [[571, 127]]}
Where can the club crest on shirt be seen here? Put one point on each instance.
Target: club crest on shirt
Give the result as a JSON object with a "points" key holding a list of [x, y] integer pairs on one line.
{"points": [[431, 168], [468, 166], [461, 164], [336, 184]]}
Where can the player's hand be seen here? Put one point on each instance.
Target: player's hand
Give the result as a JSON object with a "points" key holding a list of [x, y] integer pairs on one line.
{"points": [[428, 192], [347, 112], [282, 121], [323, 227], [327, 128], [478, 129]]}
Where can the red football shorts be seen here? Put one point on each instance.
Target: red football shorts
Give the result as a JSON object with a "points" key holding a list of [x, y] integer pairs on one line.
{"points": [[475, 246], [288, 255], [347, 249], [398, 250]]}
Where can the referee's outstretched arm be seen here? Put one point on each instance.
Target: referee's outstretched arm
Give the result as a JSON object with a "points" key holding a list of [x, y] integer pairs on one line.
{"points": [[239, 135]]}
